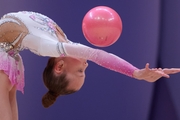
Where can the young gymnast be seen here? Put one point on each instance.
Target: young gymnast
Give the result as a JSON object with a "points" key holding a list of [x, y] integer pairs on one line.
{"points": [[65, 70]]}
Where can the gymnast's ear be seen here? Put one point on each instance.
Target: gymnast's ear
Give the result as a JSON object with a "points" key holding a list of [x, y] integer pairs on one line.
{"points": [[59, 66]]}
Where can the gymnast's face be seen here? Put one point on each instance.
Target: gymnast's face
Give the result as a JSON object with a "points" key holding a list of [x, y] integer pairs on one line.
{"points": [[75, 70]]}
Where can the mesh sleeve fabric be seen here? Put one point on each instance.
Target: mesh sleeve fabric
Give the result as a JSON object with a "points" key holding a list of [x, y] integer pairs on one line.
{"points": [[100, 57]]}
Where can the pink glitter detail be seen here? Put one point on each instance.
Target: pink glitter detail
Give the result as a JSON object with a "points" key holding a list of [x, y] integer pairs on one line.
{"points": [[62, 55], [43, 20], [51, 25], [14, 69], [32, 17]]}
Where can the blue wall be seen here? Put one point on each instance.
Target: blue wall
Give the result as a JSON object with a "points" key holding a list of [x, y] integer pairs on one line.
{"points": [[150, 34]]}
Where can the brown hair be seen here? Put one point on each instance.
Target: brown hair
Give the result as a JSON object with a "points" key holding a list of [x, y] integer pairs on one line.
{"points": [[57, 85]]}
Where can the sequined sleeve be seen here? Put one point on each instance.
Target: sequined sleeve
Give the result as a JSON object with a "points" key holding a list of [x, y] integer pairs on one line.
{"points": [[100, 57]]}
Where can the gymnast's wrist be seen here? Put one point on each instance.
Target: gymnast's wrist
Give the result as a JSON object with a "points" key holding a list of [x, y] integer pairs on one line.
{"points": [[136, 74]]}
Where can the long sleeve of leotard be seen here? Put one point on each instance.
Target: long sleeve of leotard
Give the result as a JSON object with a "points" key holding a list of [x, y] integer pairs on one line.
{"points": [[42, 46], [99, 57], [52, 48]]}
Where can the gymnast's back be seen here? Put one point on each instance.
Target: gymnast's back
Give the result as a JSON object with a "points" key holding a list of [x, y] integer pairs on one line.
{"points": [[28, 30]]}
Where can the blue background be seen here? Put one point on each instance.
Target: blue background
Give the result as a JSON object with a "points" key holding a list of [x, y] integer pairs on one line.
{"points": [[151, 33]]}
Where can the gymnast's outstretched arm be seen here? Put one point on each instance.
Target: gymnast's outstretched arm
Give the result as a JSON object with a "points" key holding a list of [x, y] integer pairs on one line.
{"points": [[53, 48], [99, 57], [116, 63]]}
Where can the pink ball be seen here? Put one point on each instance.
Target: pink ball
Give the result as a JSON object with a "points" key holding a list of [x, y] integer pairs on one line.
{"points": [[102, 26]]}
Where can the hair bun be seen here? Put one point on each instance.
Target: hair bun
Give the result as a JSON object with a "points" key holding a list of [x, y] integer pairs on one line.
{"points": [[48, 99]]}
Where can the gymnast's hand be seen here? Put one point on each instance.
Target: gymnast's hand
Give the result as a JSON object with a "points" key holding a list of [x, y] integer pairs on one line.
{"points": [[151, 75]]}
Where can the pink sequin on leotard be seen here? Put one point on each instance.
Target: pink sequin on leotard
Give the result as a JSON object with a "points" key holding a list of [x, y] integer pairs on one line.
{"points": [[14, 69]]}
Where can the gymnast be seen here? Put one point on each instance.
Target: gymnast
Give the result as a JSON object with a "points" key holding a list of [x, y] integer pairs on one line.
{"points": [[65, 70]]}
